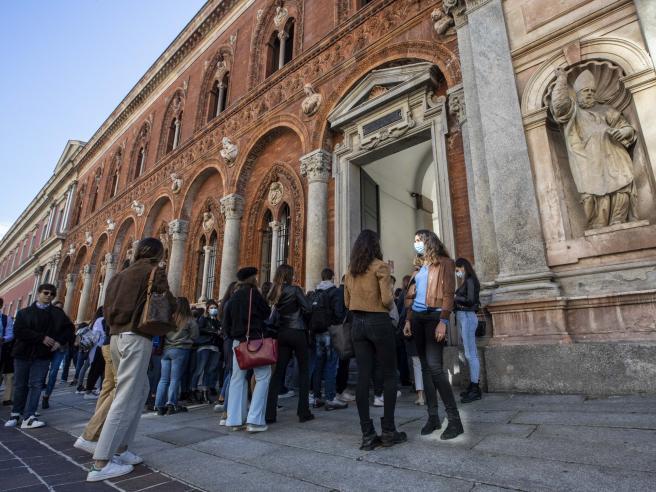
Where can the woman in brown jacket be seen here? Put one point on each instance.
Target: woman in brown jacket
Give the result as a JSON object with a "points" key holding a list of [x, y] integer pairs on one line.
{"points": [[429, 303], [368, 295]]}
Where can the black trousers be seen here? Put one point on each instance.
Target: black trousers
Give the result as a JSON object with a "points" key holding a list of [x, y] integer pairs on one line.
{"points": [[431, 356], [291, 342], [374, 342], [342, 375], [96, 370]]}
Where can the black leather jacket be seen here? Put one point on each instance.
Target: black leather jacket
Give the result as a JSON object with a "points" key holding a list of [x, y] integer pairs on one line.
{"points": [[291, 306], [466, 296]]}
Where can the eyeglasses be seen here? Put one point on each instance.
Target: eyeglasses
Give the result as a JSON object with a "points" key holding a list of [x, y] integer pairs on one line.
{"points": [[47, 293]]}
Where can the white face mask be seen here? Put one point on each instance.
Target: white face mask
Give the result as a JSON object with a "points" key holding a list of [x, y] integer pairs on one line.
{"points": [[214, 311], [460, 274], [419, 247]]}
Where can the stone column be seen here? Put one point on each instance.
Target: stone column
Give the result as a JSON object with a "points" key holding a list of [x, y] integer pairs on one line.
{"points": [[68, 300], [206, 272], [178, 230], [87, 282], [232, 207], [647, 16], [110, 269], [37, 280], [316, 167], [275, 236], [282, 36], [489, 82]]}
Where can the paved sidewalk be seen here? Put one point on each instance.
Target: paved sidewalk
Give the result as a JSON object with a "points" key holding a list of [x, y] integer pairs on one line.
{"points": [[511, 442]]}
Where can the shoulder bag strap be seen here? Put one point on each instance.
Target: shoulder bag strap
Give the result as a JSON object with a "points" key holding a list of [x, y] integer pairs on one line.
{"points": [[250, 304]]}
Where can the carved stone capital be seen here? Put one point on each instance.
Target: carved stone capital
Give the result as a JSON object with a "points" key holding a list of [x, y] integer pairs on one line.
{"points": [[316, 165], [274, 225], [70, 280], [38, 270], [178, 229], [457, 104], [86, 270], [110, 259], [232, 206]]}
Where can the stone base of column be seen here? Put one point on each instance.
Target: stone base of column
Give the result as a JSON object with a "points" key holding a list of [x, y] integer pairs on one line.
{"points": [[526, 286]]}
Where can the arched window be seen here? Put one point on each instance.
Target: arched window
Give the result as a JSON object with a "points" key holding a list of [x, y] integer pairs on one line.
{"points": [[267, 245], [113, 185], [77, 214], [174, 133], [95, 189], [200, 265], [284, 235], [218, 97], [211, 267], [139, 151], [280, 47], [114, 174], [141, 162]]}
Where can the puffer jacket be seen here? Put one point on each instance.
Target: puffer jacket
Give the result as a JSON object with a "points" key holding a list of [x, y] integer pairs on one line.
{"points": [[291, 306]]}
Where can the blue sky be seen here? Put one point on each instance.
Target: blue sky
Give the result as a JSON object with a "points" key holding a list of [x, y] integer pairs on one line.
{"points": [[66, 64]]}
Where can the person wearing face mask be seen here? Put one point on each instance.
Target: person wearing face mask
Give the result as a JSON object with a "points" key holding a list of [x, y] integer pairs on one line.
{"points": [[429, 302], [467, 303], [208, 354]]}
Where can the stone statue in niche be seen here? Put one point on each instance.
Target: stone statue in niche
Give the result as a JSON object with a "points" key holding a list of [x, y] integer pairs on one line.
{"points": [[276, 191], [229, 151], [441, 21], [176, 183], [312, 101], [597, 137], [208, 221]]}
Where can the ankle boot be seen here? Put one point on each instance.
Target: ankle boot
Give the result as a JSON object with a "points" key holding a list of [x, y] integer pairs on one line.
{"points": [[390, 436], [473, 394], [463, 393], [454, 429], [432, 424], [370, 439]]}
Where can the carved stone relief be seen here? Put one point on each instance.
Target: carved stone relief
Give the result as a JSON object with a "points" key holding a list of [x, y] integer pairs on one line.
{"points": [[229, 151], [276, 191], [312, 101]]}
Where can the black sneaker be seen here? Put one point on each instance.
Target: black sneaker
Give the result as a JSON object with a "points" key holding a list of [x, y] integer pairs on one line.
{"points": [[453, 430], [472, 395], [162, 411]]}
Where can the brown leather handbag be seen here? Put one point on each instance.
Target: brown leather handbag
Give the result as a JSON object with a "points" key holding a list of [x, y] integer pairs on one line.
{"points": [[255, 353], [157, 315]]}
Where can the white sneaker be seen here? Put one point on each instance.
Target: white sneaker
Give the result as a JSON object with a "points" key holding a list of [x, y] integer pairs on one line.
{"points": [[14, 420], [84, 445], [32, 423], [289, 394], [256, 428], [222, 422], [378, 401], [128, 458], [346, 397], [90, 396], [110, 470]]}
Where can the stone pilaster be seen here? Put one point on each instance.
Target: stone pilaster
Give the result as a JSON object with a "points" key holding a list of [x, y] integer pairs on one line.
{"points": [[316, 167], [647, 16], [68, 300], [275, 238], [232, 207], [498, 144], [110, 269], [178, 231], [206, 270], [85, 296]]}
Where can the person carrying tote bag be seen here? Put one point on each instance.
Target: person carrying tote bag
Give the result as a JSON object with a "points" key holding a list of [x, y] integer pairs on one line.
{"points": [[244, 323]]}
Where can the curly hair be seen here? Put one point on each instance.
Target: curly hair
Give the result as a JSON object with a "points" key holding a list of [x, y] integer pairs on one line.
{"points": [[433, 247], [284, 275], [365, 250]]}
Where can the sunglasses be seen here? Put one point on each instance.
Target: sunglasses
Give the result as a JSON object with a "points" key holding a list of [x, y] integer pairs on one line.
{"points": [[47, 293]]}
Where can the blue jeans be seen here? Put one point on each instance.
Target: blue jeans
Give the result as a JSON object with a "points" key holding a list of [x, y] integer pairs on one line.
{"points": [[70, 356], [238, 402], [467, 321], [326, 360], [57, 357], [28, 383], [173, 364], [154, 372], [205, 359], [81, 365]]}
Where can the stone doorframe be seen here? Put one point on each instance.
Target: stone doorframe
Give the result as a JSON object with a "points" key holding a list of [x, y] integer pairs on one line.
{"points": [[389, 110]]}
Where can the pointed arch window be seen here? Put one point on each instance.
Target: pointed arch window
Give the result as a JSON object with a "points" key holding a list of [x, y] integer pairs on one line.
{"points": [[267, 246], [174, 133], [218, 96], [200, 266], [95, 189], [141, 162], [211, 267], [284, 235], [280, 47], [77, 214], [113, 185]]}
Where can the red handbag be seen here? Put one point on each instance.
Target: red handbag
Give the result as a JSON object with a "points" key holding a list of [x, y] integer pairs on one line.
{"points": [[255, 353]]}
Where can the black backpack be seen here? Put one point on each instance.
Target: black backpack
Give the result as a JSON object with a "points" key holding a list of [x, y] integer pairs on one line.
{"points": [[322, 313]]}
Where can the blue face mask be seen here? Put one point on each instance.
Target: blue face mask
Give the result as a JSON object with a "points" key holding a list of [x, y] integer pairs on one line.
{"points": [[419, 247]]}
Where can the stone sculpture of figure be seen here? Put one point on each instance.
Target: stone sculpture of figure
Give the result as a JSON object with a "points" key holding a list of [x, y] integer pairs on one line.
{"points": [[111, 225], [597, 137], [280, 18], [276, 191], [176, 183], [88, 238], [71, 250], [441, 21], [229, 151], [138, 207], [312, 100], [208, 221]]}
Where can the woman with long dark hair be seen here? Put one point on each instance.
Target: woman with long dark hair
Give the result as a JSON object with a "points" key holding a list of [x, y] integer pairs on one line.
{"points": [[467, 303], [368, 295], [177, 348], [291, 303], [429, 303]]}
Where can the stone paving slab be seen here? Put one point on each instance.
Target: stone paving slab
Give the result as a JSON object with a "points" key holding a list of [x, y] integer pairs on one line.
{"points": [[592, 419]]}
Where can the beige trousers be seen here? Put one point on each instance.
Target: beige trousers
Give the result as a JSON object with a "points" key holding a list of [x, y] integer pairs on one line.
{"points": [[95, 425]]}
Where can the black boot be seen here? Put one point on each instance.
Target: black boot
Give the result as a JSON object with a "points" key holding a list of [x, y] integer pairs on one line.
{"points": [[390, 436], [46, 402], [463, 393], [432, 424], [473, 394], [453, 430], [370, 439]]}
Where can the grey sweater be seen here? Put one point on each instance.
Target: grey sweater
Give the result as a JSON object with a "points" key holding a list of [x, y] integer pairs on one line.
{"points": [[183, 337]]}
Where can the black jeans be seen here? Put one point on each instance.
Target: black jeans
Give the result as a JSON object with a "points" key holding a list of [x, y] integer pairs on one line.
{"points": [[374, 341], [342, 375], [97, 369], [430, 354], [291, 342]]}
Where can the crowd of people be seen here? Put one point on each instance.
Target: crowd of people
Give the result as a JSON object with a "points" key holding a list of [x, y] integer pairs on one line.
{"points": [[257, 345]]}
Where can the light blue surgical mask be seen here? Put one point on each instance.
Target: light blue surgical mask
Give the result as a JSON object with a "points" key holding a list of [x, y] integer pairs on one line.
{"points": [[419, 247]]}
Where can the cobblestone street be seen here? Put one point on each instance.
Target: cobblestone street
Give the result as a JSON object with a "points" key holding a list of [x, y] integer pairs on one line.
{"points": [[511, 442]]}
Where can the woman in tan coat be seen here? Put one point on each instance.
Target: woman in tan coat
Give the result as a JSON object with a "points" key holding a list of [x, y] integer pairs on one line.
{"points": [[368, 295]]}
